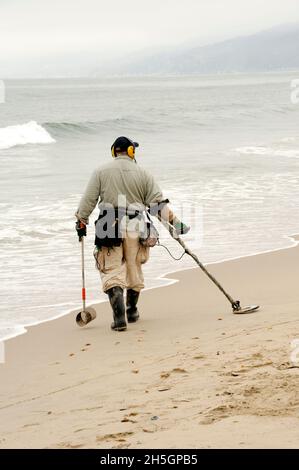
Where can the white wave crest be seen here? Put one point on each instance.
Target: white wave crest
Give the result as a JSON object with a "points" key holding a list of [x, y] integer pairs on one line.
{"points": [[268, 151], [29, 133]]}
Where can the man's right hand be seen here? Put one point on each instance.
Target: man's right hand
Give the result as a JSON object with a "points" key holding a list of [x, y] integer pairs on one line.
{"points": [[81, 229]]}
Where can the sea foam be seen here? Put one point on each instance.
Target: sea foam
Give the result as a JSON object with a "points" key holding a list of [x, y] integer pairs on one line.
{"points": [[268, 151], [29, 133]]}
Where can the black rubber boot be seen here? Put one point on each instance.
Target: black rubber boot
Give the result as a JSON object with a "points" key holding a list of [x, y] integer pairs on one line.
{"points": [[132, 299], [116, 297]]}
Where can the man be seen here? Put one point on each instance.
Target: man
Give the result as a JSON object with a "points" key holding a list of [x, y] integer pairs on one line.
{"points": [[128, 189]]}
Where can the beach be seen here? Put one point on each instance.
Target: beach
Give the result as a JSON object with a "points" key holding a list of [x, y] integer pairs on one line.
{"points": [[189, 374], [223, 148]]}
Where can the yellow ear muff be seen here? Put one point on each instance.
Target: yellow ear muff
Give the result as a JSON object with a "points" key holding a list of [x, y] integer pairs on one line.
{"points": [[112, 151], [131, 151]]}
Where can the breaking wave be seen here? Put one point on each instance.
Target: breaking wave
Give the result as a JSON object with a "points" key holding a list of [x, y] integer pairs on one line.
{"points": [[22, 134], [122, 124], [88, 127], [72, 127]]}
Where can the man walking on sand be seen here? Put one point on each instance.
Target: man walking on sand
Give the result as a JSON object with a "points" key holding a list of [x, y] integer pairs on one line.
{"points": [[124, 191]]}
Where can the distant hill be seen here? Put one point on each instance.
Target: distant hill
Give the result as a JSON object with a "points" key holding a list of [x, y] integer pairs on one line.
{"points": [[271, 50]]}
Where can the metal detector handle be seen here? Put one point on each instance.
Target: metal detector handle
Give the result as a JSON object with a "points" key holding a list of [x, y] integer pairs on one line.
{"points": [[83, 274], [173, 233]]}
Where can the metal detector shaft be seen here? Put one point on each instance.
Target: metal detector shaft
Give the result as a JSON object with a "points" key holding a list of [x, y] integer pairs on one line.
{"points": [[171, 230]]}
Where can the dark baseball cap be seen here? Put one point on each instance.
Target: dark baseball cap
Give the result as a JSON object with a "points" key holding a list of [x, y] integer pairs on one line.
{"points": [[122, 143]]}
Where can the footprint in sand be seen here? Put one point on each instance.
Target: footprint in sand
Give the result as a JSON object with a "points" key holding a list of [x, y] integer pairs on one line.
{"points": [[80, 430], [126, 419], [257, 355], [176, 370], [69, 445], [179, 370], [119, 436], [199, 356], [286, 365], [164, 375], [149, 430], [218, 413], [251, 391]]}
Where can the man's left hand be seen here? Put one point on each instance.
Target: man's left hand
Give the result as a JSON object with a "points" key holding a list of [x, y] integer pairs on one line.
{"points": [[81, 229], [180, 227]]}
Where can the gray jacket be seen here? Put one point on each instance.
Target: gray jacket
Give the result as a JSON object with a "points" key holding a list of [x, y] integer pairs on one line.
{"points": [[121, 183]]}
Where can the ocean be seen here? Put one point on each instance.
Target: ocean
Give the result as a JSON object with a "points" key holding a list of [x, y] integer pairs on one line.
{"points": [[224, 148]]}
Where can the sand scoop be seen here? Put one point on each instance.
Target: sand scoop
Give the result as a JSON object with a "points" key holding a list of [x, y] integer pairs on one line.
{"points": [[235, 304], [87, 314]]}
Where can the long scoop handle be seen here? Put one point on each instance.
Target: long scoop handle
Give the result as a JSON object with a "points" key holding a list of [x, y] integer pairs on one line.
{"points": [[83, 274]]}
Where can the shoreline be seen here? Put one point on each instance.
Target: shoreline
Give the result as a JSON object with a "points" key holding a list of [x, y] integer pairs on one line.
{"points": [[294, 239]]}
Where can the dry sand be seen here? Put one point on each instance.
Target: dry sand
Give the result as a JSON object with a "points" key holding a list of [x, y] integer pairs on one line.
{"points": [[189, 374]]}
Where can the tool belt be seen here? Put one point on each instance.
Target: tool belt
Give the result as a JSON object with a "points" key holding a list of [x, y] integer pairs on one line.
{"points": [[107, 228], [108, 225]]}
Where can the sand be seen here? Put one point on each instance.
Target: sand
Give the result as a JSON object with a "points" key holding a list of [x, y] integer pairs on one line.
{"points": [[189, 374]]}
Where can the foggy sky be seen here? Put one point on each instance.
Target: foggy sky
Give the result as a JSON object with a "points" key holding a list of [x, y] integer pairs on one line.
{"points": [[108, 29]]}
